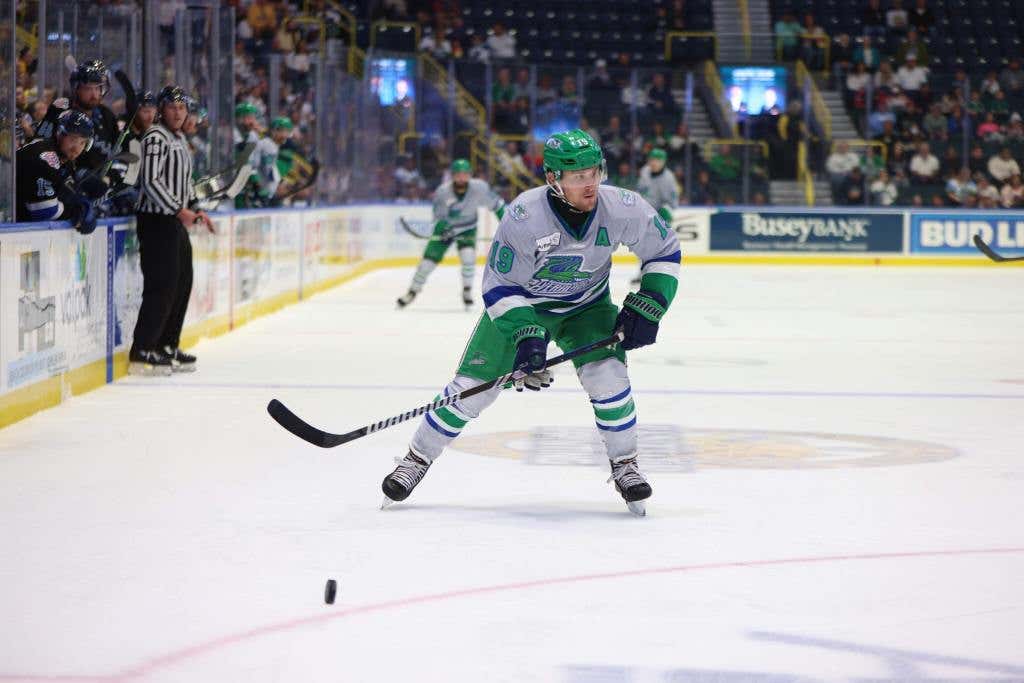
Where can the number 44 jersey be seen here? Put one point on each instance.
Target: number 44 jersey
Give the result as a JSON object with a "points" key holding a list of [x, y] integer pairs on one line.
{"points": [[539, 263]]}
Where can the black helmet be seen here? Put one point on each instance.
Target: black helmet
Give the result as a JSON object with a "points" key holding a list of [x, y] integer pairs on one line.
{"points": [[148, 99], [171, 93], [74, 122], [93, 71]]}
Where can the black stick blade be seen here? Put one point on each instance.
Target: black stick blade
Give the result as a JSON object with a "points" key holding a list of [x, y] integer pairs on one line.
{"points": [[990, 252], [297, 426]]}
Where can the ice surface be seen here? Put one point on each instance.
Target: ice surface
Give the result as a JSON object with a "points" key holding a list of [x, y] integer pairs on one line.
{"points": [[838, 495]]}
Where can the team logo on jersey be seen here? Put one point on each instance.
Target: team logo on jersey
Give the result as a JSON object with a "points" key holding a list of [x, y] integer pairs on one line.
{"points": [[552, 240], [50, 158], [518, 212], [562, 269], [628, 198]]}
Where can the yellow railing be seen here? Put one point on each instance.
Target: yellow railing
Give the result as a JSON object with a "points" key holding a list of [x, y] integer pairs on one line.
{"points": [[26, 37], [519, 176], [818, 106], [689, 34], [405, 137], [745, 20], [714, 81], [405, 25], [803, 172], [709, 145], [356, 61], [466, 106]]}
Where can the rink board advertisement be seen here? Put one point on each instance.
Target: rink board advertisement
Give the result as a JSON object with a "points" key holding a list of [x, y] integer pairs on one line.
{"points": [[953, 232], [807, 232], [53, 315]]}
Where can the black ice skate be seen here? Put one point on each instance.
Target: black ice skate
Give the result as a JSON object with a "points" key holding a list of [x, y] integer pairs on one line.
{"points": [[399, 484], [467, 297], [149, 364], [180, 361], [406, 299], [631, 484]]}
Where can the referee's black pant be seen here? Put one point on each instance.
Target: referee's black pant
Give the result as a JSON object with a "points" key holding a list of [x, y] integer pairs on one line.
{"points": [[166, 255]]}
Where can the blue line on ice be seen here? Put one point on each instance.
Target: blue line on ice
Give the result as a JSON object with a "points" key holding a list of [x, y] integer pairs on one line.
{"points": [[575, 390]]}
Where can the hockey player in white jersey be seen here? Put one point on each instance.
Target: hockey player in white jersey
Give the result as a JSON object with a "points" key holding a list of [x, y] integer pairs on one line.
{"points": [[546, 279], [658, 186], [455, 217]]}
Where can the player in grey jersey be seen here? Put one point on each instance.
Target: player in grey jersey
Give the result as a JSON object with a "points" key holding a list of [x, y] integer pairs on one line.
{"points": [[547, 280], [455, 214], [658, 186]]}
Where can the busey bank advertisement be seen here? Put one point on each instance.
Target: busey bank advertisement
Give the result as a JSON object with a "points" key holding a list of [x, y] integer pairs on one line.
{"points": [[807, 232], [952, 233]]}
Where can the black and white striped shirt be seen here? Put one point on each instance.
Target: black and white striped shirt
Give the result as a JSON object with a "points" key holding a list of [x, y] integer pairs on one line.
{"points": [[166, 173]]}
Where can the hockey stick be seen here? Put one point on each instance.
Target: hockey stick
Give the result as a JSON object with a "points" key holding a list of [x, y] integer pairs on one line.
{"points": [[228, 183], [312, 170], [307, 432], [443, 237], [987, 251]]}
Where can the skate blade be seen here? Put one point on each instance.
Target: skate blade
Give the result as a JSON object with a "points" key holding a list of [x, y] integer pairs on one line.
{"points": [[638, 508], [147, 370], [191, 367]]}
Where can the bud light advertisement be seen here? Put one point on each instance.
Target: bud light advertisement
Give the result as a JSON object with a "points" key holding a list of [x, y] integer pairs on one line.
{"points": [[953, 233]]}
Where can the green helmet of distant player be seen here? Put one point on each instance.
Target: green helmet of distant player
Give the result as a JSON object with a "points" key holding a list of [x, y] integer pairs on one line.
{"points": [[573, 150], [246, 109], [657, 158], [461, 166], [282, 123]]}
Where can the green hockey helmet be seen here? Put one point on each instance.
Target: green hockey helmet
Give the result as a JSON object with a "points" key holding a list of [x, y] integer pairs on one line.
{"points": [[245, 109], [462, 166], [657, 153], [573, 150], [282, 123]]}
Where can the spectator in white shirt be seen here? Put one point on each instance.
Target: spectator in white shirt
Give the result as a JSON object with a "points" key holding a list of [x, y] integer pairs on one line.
{"points": [[896, 18], [857, 79], [1013, 193], [883, 190], [960, 187], [924, 166], [841, 161], [435, 43], [988, 195], [1003, 166], [478, 51], [501, 43], [911, 76]]}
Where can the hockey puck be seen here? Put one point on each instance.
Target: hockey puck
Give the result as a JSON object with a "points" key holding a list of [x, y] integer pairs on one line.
{"points": [[330, 590]]}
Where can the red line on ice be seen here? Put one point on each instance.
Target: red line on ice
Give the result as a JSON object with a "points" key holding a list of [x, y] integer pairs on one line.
{"points": [[172, 658]]}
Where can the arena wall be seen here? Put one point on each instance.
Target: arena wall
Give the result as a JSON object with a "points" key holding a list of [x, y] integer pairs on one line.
{"points": [[68, 302]]}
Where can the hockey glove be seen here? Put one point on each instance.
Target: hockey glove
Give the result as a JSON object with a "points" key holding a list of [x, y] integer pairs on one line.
{"points": [[641, 312], [86, 215], [531, 358], [123, 200]]}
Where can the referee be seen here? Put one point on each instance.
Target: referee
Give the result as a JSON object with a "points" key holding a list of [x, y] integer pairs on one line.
{"points": [[162, 216]]}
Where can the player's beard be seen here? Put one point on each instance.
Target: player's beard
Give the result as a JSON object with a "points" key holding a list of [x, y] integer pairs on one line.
{"points": [[460, 187]]}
